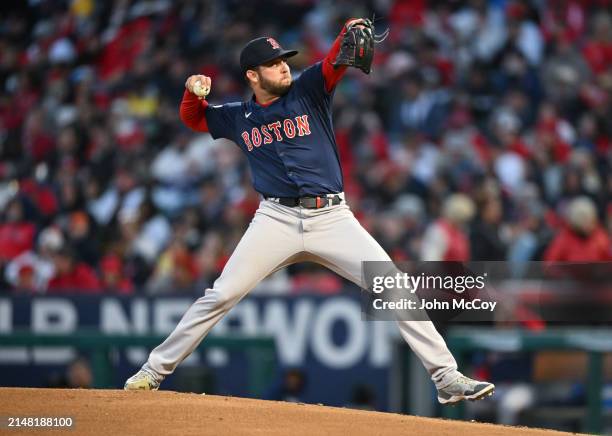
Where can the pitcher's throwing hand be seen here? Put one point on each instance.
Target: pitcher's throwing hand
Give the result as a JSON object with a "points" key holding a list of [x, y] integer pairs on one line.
{"points": [[198, 85]]}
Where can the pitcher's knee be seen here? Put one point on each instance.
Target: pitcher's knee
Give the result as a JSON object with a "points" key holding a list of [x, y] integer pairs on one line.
{"points": [[218, 297]]}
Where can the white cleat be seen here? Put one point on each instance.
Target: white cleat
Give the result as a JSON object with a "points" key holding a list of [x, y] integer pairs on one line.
{"points": [[141, 381], [464, 388]]}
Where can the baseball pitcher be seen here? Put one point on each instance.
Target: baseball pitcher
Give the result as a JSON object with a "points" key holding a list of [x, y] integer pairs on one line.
{"points": [[285, 130]]}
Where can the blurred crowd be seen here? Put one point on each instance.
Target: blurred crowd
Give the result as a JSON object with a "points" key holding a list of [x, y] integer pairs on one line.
{"points": [[484, 132]]}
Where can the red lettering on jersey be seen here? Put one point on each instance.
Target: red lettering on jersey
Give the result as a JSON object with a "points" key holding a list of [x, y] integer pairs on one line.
{"points": [[302, 125], [247, 141], [276, 127], [267, 137], [256, 136], [275, 45], [289, 128]]}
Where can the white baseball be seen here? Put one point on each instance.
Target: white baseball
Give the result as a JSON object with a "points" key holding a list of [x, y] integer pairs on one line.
{"points": [[200, 90]]}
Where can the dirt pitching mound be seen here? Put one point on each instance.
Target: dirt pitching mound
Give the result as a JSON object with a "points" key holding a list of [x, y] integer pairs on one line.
{"points": [[114, 412]]}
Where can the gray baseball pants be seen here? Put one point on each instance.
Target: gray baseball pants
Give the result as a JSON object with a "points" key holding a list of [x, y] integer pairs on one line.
{"points": [[279, 236]]}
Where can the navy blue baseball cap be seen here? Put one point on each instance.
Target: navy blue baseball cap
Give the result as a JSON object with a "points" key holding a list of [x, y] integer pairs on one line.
{"points": [[262, 50]]}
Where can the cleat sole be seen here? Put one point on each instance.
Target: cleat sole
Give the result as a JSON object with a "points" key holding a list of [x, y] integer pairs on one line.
{"points": [[486, 392]]}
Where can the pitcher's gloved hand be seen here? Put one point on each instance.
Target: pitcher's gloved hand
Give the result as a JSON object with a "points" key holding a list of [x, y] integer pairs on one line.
{"points": [[357, 48]]}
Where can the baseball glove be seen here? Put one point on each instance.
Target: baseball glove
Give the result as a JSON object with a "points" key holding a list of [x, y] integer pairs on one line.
{"points": [[357, 47]]}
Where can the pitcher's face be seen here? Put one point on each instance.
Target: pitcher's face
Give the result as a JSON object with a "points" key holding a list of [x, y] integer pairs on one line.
{"points": [[275, 76]]}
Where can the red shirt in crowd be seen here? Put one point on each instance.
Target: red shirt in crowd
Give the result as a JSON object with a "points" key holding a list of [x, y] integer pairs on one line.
{"points": [[598, 54], [15, 238], [569, 246], [457, 243], [113, 278], [81, 278]]}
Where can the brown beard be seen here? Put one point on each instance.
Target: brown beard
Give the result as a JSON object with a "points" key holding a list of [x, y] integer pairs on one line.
{"points": [[277, 89]]}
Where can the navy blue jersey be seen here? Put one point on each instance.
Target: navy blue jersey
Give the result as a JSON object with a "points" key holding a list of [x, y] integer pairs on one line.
{"points": [[290, 144]]}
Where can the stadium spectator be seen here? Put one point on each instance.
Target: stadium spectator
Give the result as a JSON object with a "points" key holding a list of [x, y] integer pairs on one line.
{"points": [[486, 239], [582, 238], [113, 277], [78, 375], [597, 50], [175, 270], [532, 235], [32, 270], [290, 388], [446, 238], [16, 232], [82, 237], [72, 275]]}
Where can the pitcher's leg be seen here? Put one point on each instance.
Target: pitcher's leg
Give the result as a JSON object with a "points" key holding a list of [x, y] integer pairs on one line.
{"points": [[270, 240], [344, 243]]}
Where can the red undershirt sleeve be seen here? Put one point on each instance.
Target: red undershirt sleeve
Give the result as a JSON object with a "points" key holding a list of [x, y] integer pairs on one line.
{"points": [[192, 112], [333, 75]]}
